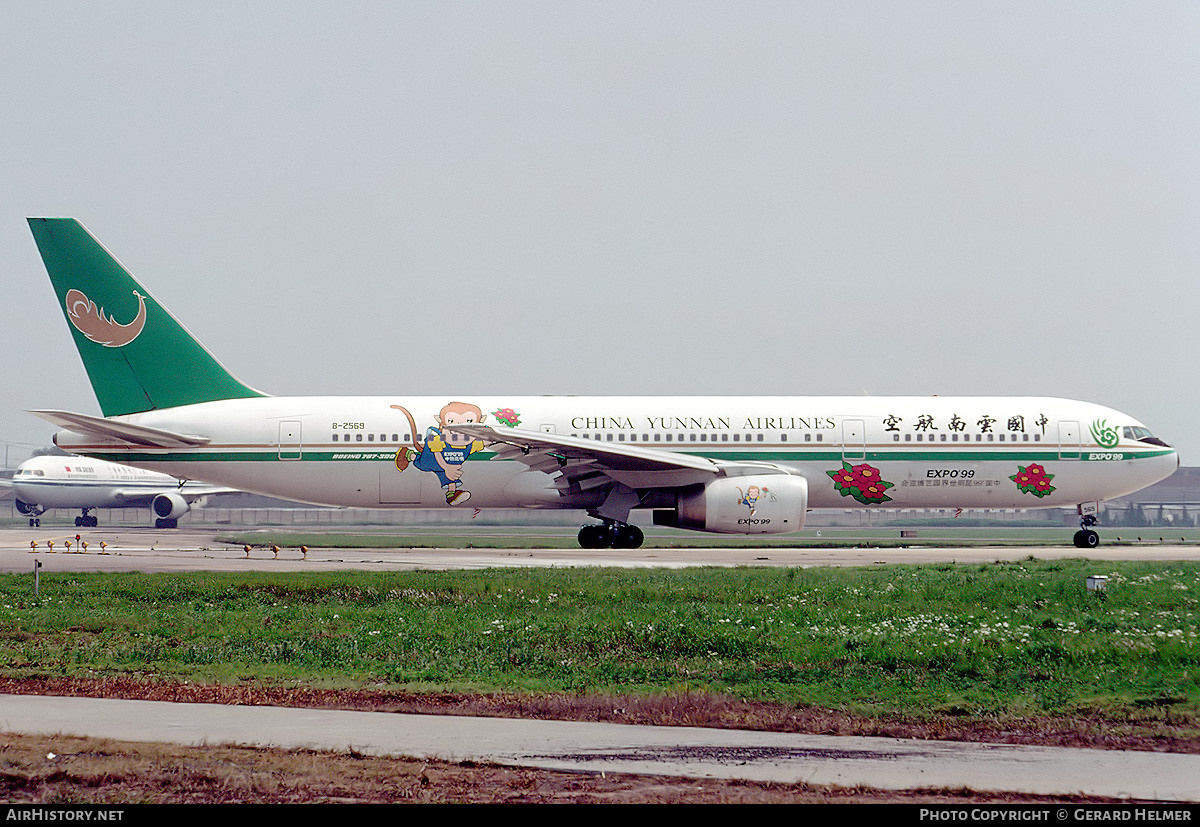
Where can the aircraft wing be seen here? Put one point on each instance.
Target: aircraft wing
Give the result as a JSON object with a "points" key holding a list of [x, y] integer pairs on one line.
{"points": [[589, 464], [192, 491], [189, 491], [138, 496]]}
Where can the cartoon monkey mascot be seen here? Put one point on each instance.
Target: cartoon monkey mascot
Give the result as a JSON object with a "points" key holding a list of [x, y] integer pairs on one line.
{"points": [[750, 498], [443, 452]]}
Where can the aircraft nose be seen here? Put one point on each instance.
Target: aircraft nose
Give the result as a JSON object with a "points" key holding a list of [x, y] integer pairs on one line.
{"points": [[1172, 462]]}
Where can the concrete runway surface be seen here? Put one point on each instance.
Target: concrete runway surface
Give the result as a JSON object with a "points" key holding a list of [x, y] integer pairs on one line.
{"points": [[683, 751]]}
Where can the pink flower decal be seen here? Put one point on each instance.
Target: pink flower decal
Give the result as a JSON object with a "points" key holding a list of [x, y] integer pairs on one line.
{"points": [[1033, 479], [507, 416], [862, 482]]}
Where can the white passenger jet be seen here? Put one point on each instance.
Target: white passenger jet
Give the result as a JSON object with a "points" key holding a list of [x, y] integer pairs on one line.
{"points": [[746, 465], [48, 482]]}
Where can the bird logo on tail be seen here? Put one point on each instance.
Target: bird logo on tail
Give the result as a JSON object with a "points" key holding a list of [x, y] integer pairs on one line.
{"points": [[99, 328]]}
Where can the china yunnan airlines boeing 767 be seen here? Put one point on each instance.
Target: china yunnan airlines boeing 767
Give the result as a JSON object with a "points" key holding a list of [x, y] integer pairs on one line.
{"points": [[745, 465]]}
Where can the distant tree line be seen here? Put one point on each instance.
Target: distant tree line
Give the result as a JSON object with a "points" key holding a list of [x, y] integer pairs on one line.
{"points": [[1151, 515]]}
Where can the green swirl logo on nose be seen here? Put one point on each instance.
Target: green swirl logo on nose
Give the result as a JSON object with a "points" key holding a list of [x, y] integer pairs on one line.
{"points": [[1105, 436]]}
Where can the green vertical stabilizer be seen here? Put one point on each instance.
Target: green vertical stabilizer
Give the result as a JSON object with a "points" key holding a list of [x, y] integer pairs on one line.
{"points": [[137, 355]]}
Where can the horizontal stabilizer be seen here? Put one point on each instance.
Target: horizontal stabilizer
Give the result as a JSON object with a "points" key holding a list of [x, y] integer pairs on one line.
{"points": [[123, 431]]}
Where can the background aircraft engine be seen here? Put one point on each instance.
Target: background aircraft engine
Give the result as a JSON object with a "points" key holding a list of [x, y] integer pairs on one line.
{"points": [[169, 506], [757, 504]]}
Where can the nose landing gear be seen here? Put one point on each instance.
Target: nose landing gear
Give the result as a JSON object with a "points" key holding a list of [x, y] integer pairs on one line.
{"points": [[34, 512], [1086, 536], [611, 534]]}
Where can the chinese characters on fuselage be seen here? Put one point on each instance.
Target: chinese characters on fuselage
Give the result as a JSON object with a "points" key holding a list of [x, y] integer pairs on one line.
{"points": [[985, 424]]}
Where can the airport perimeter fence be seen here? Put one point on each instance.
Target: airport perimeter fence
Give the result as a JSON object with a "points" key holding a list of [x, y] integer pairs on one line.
{"points": [[315, 517]]}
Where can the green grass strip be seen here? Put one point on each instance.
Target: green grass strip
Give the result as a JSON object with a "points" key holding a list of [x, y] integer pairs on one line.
{"points": [[993, 639]]}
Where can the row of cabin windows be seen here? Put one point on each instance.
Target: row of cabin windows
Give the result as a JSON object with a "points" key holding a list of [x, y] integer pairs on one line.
{"points": [[621, 437], [358, 437], [967, 437]]}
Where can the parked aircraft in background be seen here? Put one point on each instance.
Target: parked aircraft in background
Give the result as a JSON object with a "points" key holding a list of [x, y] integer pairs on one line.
{"points": [[47, 482], [720, 464]]}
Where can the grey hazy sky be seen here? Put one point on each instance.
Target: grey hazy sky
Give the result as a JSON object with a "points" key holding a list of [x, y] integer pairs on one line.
{"points": [[621, 197]]}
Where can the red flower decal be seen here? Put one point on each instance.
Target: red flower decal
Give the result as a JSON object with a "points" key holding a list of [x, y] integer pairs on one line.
{"points": [[1033, 479], [862, 482], [507, 416]]}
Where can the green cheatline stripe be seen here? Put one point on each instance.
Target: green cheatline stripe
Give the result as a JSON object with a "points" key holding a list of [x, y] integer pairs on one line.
{"points": [[828, 455]]}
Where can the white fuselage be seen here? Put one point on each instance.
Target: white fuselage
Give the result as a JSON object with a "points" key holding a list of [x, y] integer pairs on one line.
{"points": [[73, 482], [927, 452]]}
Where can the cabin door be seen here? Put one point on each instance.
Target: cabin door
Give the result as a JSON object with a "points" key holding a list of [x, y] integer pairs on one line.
{"points": [[854, 440], [1069, 446], [289, 439]]}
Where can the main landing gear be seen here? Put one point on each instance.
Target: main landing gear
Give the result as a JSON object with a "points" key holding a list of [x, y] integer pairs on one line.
{"points": [[87, 520], [1086, 536], [611, 534]]}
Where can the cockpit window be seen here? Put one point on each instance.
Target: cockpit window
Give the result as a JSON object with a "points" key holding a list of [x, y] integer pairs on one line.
{"points": [[1142, 435]]}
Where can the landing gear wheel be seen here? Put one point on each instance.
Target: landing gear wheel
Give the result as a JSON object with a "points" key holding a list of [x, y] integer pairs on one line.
{"points": [[611, 535], [1085, 537], [166, 523], [627, 536], [593, 536]]}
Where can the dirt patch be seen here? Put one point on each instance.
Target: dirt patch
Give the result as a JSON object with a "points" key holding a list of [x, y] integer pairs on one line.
{"points": [[56, 769]]}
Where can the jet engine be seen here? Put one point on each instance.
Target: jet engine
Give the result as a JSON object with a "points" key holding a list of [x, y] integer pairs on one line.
{"points": [[754, 504], [29, 508], [169, 506]]}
